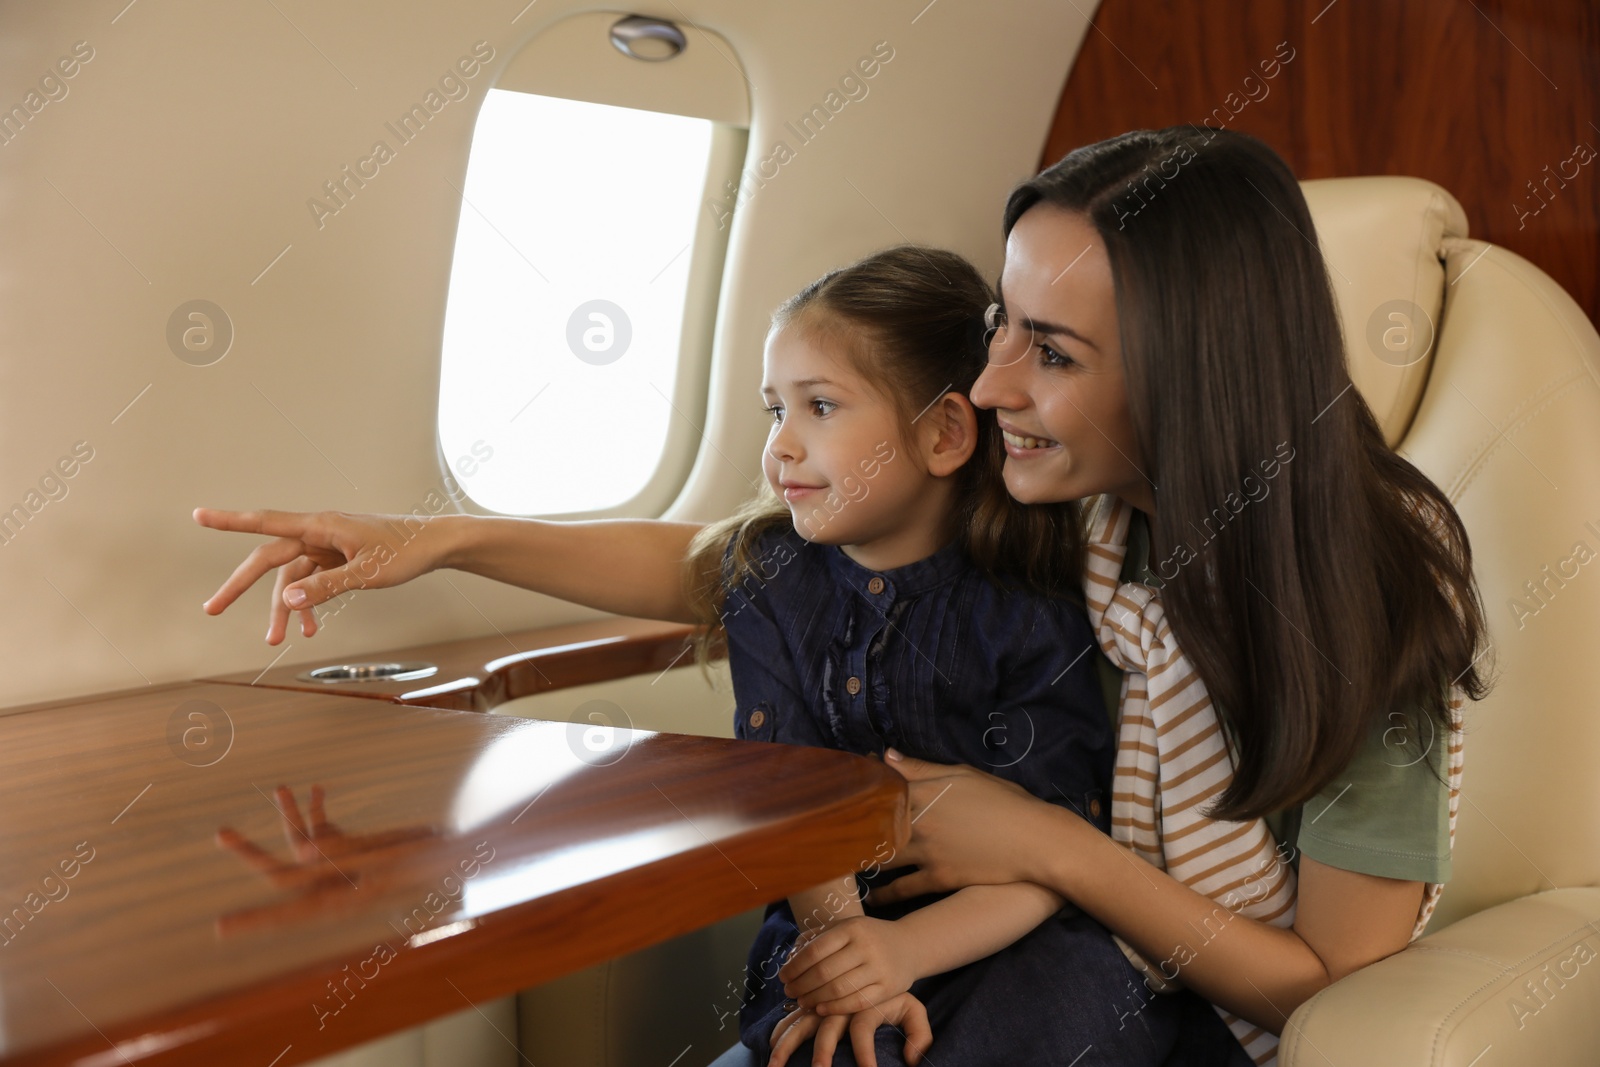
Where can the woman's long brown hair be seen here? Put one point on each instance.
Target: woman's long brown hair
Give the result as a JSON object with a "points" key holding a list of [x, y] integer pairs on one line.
{"points": [[1343, 598], [911, 321]]}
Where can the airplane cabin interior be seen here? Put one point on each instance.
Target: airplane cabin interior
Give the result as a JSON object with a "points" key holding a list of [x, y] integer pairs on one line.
{"points": [[326, 287]]}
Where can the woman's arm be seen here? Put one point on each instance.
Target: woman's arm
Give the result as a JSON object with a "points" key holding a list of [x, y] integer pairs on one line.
{"points": [[627, 566], [1260, 972], [1344, 920]]}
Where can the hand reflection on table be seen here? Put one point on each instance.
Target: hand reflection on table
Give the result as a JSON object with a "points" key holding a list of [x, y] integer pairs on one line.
{"points": [[328, 864]]}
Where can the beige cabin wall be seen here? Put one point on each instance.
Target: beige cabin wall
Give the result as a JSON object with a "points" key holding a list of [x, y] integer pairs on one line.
{"points": [[178, 166]]}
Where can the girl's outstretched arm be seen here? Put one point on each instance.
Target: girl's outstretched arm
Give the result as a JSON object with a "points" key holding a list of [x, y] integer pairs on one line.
{"points": [[626, 566]]}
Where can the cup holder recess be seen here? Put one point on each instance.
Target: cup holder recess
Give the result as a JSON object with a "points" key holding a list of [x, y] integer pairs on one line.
{"points": [[383, 671]]}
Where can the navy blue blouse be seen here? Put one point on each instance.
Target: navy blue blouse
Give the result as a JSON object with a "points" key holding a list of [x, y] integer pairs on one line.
{"points": [[932, 658]]}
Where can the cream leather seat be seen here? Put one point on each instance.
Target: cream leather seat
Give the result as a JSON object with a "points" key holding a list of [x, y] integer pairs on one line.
{"points": [[1503, 413]]}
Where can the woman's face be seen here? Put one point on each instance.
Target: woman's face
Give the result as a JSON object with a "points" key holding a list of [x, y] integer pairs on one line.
{"points": [[1055, 370]]}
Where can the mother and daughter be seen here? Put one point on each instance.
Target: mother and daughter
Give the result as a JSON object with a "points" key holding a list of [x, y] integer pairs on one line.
{"points": [[977, 511]]}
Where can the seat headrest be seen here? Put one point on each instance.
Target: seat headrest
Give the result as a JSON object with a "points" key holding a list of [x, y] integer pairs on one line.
{"points": [[1381, 238]]}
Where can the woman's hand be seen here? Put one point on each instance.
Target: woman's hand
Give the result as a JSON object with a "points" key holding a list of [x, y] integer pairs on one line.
{"points": [[905, 1013], [967, 828], [852, 965], [320, 556]]}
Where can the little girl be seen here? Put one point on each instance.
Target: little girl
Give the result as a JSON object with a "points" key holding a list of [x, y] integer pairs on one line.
{"points": [[885, 590]]}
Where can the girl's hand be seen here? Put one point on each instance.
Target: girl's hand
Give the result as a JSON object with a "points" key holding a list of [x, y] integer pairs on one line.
{"points": [[317, 848], [852, 965], [967, 828], [321, 556], [905, 1013]]}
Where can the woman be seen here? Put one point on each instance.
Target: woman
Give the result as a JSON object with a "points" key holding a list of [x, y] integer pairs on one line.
{"points": [[1170, 324], [1167, 328]]}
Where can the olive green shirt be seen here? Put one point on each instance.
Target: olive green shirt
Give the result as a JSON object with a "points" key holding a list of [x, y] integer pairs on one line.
{"points": [[1386, 814]]}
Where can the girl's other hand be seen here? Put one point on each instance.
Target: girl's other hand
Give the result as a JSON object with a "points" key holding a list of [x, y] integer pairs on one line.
{"points": [[854, 964], [319, 556], [905, 1013]]}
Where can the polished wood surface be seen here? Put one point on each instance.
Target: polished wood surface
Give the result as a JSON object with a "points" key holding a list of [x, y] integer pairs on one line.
{"points": [[1496, 100], [159, 908], [478, 673]]}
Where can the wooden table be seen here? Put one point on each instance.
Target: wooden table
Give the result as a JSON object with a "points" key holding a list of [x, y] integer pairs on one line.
{"points": [[157, 910]]}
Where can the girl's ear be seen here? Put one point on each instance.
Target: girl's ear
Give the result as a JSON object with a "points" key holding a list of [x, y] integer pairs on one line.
{"points": [[951, 434]]}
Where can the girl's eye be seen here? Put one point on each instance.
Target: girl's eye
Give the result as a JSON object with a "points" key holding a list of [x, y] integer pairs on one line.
{"points": [[822, 408], [776, 411]]}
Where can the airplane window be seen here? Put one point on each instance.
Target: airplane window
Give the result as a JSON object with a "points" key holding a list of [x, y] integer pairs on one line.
{"points": [[580, 223]]}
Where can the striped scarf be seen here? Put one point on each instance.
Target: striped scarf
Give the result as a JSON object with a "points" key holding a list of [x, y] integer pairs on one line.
{"points": [[1173, 760]]}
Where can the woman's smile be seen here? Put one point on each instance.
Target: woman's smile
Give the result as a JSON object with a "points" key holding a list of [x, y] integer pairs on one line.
{"points": [[1025, 446]]}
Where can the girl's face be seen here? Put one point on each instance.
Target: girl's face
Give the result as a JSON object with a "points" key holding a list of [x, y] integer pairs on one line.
{"points": [[1055, 370], [836, 456]]}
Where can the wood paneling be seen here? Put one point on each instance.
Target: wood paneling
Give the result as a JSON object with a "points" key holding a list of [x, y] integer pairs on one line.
{"points": [[478, 673], [156, 907], [1496, 100]]}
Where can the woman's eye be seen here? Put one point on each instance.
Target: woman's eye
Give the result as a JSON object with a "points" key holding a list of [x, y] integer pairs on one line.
{"points": [[776, 411], [823, 407], [1049, 357]]}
